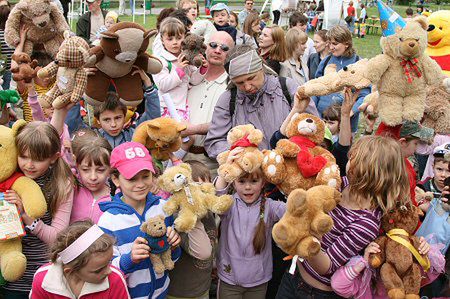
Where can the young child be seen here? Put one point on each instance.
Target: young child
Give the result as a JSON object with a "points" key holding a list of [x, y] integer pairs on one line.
{"points": [[233, 21], [197, 255], [111, 18], [377, 179], [92, 166], [80, 267], [132, 170], [332, 118], [265, 19], [221, 19], [441, 170], [177, 74], [39, 158], [244, 263]]}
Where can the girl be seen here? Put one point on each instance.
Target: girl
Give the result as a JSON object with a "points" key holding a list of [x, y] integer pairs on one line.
{"points": [[92, 165], [321, 45], [244, 263], [39, 146], [377, 179], [233, 20], [252, 26], [294, 67], [80, 267], [191, 8], [177, 74], [273, 47]]}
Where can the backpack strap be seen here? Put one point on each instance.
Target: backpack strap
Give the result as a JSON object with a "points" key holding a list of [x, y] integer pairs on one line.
{"points": [[233, 92], [169, 65]]}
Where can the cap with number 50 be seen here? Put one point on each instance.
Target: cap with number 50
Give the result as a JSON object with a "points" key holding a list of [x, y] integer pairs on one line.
{"points": [[130, 158]]}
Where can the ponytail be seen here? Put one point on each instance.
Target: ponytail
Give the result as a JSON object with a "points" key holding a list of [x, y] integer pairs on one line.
{"points": [[259, 240]]}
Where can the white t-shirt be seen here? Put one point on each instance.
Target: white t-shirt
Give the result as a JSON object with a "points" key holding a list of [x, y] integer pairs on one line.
{"points": [[97, 21]]}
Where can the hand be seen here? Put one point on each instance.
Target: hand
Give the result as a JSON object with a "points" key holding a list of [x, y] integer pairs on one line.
{"points": [[204, 62], [182, 63], [445, 191], [139, 250], [173, 237], [300, 104], [13, 198], [234, 154], [424, 247], [23, 33], [144, 77], [187, 145], [372, 248], [90, 71], [349, 100], [12, 114]]}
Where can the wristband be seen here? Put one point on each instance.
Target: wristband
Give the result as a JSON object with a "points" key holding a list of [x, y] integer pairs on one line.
{"points": [[33, 225]]}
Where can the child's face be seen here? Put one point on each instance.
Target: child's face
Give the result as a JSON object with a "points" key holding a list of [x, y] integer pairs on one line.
{"points": [[441, 172], [93, 176], [408, 147], [232, 21], [249, 188], [97, 268], [319, 43], [109, 22], [336, 48], [173, 43], [136, 188], [221, 18], [32, 168], [112, 121], [191, 9], [333, 125]]}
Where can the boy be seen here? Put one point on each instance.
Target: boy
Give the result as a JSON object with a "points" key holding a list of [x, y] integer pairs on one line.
{"points": [[409, 13], [132, 170], [300, 21], [221, 17], [441, 171]]}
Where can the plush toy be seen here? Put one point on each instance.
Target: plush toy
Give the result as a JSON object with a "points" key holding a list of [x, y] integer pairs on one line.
{"points": [[437, 110], [160, 253], [300, 161], [192, 201], [399, 258], [204, 28], [12, 260], [301, 228], [193, 48], [439, 39], [25, 69], [250, 159], [161, 136], [71, 79], [45, 21], [8, 96], [122, 50]]}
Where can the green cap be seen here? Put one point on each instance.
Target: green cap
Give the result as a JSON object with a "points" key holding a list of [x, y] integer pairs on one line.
{"points": [[415, 129], [328, 134]]}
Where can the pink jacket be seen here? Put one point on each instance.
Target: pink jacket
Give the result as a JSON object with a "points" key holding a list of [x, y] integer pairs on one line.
{"points": [[86, 206], [50, 283]]}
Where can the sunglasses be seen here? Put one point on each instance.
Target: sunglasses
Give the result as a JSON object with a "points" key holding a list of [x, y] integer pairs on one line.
{"points": [[223, 47]]}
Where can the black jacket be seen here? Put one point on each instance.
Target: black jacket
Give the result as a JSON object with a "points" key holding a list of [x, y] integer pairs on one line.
{"points": [[84, 25]]}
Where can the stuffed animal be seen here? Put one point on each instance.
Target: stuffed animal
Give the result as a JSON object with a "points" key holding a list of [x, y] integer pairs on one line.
{"points": [[193, 48], [192, 201], [301, 228], [71, 79], [46, 25], [8, 96], [204, 28], [399, 258], [161, 136], [25, 69], [160, 253], [439, 39], [122, 50], [250, 159], [437, 110], [300, 161], [12, 260]]}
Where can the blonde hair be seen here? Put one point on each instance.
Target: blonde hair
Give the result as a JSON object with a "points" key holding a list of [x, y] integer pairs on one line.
{"points": [[248, 24], [278, 50], [42, 142], [294, 37], [377, 171], [172, 27], [182, 2], [341, 34]]}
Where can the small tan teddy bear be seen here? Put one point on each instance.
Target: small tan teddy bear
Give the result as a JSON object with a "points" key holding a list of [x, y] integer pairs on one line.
{"points": [[191, 200], [160, 253], [250, 159]]}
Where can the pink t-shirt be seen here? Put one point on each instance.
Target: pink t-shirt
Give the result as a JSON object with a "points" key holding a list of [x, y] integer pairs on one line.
{"points": [[85, 206]]}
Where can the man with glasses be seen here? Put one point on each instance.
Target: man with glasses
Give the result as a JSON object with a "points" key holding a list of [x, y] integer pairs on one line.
{"points": [[90, 22], [202, 98], [244, 13]]}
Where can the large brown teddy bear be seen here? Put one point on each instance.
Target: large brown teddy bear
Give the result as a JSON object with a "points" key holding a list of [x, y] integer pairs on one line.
{"points": [[46, 25], [71, 79], [192, 201], [25, 70], [193, 48], [250, 159], [12, 260], [161, 136], [122, 49], [400, 270], [300, 161], [301, 228], [437, 110]]}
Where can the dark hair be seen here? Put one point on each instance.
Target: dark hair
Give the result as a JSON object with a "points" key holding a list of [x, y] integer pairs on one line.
{"points": [[181, 15], [297, 17], [332, 112], [409, 11], [323, 34], [248, 23], [341, 34], [199, 171], [438, 159], [96, 149], [162, 15], [4, 14], [112, 103], [362, 5], [265, 15], [42, 58]]}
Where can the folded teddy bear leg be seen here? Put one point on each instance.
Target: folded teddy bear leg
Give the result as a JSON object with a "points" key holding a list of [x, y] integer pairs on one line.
{"points": [[250, 162], [158, 265], [321, 224], [274, 167], [413, 107], [12, 263], [229, 172], [46, 99], [130, 90], [166, 258], [219, 204], [392, 282], [411, 283], [61, 101], [389, 109]]}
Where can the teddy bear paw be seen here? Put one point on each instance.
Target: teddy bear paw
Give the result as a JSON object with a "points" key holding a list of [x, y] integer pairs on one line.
{"points": [[229, 173], [273, 167], [308, 247], [184, 225], [329, 176], [396, 294], [13, 265], [412, 296], [168, 264]]}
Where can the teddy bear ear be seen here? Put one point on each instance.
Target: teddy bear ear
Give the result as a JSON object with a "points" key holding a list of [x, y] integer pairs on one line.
{"points": [[67, 34], [153, 125], [162, 217], [181, 127], [150, 33], [18, 126], [109, 35], [185, 166], [144, 227], [423, 22]]}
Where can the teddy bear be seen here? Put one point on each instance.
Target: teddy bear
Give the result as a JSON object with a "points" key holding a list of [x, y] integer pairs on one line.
{"points": [[439, 39], [161, 136], [248, 138], [301, 228], [437, 110], [400, 268], [192, 201], [12, 261], [46, 25], [193, 48], [71, 79], [160, 253], [121, 50], [25, 70], [8, 96], [204, 28], [299, 162]]}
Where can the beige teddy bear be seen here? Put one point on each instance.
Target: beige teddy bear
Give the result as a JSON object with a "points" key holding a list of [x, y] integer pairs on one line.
{"points": [[248, 138], [191, 200]]}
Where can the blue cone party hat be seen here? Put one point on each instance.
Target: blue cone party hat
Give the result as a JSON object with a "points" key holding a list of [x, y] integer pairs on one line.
{"points": [[390, 20]]}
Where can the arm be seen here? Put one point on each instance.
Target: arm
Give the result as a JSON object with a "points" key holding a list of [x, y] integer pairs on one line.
{"points": [[300, 106], [376, 67], [58, 118], [277, 208], [197, 243], [82, 28], [431, 70], [13, 23], [310, 108], [198, 74], [36, 109], [347, 282], [166, 80], [345, 130]]}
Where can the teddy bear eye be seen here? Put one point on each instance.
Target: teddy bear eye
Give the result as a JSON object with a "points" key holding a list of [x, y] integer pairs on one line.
{"points": [[401, 39], [352, 72], [440, 28], [116, 51]]}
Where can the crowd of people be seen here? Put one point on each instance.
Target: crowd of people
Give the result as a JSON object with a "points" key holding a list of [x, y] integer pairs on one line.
{"points": [[100, 186]]}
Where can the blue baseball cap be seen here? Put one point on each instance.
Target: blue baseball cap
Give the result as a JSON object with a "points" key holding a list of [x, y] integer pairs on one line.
{"points": [[219, 7]]}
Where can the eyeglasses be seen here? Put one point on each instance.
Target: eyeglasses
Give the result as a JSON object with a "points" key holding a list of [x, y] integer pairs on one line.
{"points": [[223, 47]]}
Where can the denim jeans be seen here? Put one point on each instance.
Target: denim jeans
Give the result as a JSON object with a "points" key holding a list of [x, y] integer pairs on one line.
{"points": [[6, 80]]}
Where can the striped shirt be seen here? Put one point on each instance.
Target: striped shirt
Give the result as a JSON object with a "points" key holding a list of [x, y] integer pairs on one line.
{"points": [[6, 50], [352, 231]]}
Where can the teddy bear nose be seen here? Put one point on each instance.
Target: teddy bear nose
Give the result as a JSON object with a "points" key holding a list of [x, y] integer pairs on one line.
{"points": [[412, 45], [309, 120], [160, 228], [431, 27], [43, 24]]}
